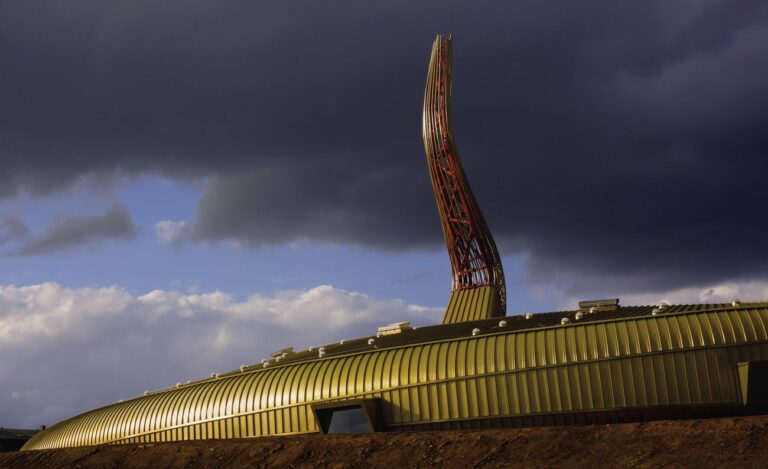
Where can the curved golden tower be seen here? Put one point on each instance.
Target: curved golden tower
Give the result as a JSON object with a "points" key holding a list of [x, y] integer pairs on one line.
{"points": [[479, 291]]}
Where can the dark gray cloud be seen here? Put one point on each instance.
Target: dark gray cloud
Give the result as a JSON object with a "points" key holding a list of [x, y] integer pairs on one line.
{"points": [[617, 144], [12, 228], [320, 200], [67, 232]]}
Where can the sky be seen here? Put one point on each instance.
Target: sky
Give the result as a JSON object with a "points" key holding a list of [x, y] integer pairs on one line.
{"points": [[187, 186]]}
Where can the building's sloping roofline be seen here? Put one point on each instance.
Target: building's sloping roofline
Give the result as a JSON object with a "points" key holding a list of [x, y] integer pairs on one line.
{"points": [[518, 322], [615, 351]]}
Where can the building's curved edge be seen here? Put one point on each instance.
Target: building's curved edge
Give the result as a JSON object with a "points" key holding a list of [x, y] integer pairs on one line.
{"points": [[664, 350]]}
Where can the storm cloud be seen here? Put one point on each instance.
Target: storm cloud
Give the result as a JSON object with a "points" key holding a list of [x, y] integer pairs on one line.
{"points": [[68, 232], [615, 144], [12, 228]]}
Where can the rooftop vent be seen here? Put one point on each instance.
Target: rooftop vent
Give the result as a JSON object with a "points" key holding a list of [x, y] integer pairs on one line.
{"points": [[282, 352], [394, 328], [565, 321], [242, 368], [528, 315], [736, 302], [475, 331], [662, 306], [579, 315], [321, 352], [595, 306], [371, 341], [655, 311], [502, 323]]}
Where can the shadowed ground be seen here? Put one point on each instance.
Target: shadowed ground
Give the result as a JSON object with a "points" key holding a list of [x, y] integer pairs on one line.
{"points": [[737, 442]]}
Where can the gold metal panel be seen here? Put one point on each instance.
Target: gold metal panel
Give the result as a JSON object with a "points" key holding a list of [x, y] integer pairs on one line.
{"points": [[472, 304], [673, 359]]}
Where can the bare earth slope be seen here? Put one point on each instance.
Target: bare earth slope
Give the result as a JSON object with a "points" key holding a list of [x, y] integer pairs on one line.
{"points": [[735, 442]]}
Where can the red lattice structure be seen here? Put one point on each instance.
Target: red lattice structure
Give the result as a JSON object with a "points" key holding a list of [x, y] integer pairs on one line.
{"points": [[475, 260]]}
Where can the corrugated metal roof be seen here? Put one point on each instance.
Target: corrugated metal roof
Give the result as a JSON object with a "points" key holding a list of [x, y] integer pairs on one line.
{"points": [[489, 326], [443, 377]]}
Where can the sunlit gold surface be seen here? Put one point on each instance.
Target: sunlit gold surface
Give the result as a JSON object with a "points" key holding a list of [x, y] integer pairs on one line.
{"points": [[662, 362]]}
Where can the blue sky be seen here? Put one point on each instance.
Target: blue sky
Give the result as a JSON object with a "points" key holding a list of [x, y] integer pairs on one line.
{"points": [[146, 263]]}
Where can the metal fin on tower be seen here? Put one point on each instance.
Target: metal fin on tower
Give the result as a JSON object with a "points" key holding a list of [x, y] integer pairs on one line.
{"points": [[478, 289]]}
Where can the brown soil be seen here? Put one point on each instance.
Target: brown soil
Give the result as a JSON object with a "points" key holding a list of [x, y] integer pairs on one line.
{"points": [[735, 442]]}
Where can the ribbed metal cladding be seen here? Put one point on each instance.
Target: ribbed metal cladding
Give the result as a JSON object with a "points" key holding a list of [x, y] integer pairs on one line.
{"points": [[662, 362], [472, 305]]}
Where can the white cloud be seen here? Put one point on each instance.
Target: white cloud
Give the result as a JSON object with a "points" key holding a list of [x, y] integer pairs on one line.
{"points": [[173, 232], [66, 350], [719, 293]]}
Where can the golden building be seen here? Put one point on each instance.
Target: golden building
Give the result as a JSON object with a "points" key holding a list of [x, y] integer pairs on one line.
{"points": [[601, 362]]}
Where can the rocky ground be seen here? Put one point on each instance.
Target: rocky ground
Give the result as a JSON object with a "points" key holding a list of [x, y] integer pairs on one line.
{"points": [[732, 442]]}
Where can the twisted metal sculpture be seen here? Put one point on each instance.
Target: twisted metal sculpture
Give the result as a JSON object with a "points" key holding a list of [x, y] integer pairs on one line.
{"points": [[475, 260]]}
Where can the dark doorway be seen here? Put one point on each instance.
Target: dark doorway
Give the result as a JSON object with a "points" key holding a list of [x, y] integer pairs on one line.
{"points": [[350, 416]]}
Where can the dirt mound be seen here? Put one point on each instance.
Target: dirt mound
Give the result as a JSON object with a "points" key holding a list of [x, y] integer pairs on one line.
{"points": [[736, 442]]}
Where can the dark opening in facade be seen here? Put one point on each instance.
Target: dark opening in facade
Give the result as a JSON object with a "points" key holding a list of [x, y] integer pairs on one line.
{"points": [[350, 416], [753, 380]]}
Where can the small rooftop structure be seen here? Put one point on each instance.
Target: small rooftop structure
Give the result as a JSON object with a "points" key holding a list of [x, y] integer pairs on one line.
{"points": [[394, 328], [599, 306]]}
